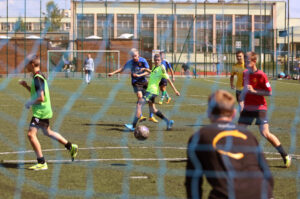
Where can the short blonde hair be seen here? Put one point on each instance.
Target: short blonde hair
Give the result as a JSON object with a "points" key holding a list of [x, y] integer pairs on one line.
{"points": [[221, 103]]}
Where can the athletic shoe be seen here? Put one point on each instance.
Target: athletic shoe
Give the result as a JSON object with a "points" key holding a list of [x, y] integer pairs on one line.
{"points": [[161, 101], [152, 119], [170, 124], [142, 119], [39, 167], [73, 151], [168, 100], [287, 161], [129, 127]]}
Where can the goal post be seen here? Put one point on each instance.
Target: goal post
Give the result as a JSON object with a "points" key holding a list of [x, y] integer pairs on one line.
{"points": [[72, 61]]}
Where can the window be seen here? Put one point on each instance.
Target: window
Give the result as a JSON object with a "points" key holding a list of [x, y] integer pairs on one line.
{"points": [[125, 24]]}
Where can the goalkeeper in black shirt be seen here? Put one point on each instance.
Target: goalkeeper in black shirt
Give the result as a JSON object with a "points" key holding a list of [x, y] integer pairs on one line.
{"points": [[228, 156]]}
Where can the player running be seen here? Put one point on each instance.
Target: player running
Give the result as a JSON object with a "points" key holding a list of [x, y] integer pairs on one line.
{"points": [[139, 84], [42, 112], [238, 70], [256, 86], [156, 74], [163, 83]]}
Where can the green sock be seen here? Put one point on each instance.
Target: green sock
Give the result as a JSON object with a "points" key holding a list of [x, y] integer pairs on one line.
{"points": [[163, 95], [167, 95]]}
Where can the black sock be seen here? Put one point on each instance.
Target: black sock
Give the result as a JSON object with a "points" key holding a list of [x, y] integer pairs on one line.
{"points": [[281, 151], [68, 145], [160, 115], [135, 120], [41, 160]]}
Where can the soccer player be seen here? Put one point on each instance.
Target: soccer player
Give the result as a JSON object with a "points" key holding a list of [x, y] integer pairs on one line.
{"points": [[163, 83], [256, 86], [139, 84], [238, 70], [42, 112], [156, 74], [89, 68], [228, 156]]}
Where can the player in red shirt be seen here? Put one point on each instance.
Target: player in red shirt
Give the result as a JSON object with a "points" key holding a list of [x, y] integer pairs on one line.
{"points": [[256, 86]]}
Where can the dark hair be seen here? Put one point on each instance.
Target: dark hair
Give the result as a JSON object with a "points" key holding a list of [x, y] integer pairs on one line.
{"points": [[157, 56], [239, 52], [33, 59]]}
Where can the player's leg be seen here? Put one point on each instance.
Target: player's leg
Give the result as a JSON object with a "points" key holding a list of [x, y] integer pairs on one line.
{"points": [[138, 111], [73, 148], [32, 136], [240, 102], [86, 76], [262, 121], [160, 114]]}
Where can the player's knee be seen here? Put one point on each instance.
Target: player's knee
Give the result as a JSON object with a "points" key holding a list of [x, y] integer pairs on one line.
{"points": [[31, 135]]}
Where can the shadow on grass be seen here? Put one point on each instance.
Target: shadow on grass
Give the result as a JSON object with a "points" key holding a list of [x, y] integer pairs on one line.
{"points": [[177, 161], [13, 165], [119, 165]]}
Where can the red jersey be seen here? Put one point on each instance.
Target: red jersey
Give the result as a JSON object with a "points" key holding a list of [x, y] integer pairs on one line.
{"points": [[259, 81]]}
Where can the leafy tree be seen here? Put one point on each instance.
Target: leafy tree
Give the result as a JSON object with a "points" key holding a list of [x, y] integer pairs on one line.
{"points": [[20, 25], [53, 17]]}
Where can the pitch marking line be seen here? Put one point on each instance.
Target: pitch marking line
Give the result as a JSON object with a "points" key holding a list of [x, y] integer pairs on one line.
{"points": [[96, 160]]}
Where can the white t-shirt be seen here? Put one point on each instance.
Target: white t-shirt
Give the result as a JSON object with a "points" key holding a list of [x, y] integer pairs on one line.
{"points": [[89, 64]]}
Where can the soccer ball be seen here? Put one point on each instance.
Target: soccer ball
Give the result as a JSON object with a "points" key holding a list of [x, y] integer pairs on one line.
{"points": [[141, 132]]}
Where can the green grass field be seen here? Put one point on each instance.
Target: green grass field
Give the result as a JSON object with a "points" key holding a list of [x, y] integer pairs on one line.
{"points": [[111, 163]]}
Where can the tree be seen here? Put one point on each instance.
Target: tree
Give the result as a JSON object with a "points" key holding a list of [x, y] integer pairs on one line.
{"points": [[53, 17], [20, 25]]}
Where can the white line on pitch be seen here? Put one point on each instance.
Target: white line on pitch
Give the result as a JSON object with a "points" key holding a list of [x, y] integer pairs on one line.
{"points": [[95, 148], [139, 177], [215, 81], [97, 160]]}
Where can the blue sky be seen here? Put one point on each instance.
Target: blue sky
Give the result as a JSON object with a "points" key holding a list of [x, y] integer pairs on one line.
{"points": [[17, 7]]}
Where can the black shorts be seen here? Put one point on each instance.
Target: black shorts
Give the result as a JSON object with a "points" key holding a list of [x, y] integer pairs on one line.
{"points": [[39, 123], [149, 97], [247, 117], [140, 86], [237, 95], [163, 82]]}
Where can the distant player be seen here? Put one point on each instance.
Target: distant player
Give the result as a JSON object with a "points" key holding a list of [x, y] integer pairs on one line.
{"points": [[163, 83], [89, 67], [238, 70], [42, 112], [256, 86], [228, 156], [156, 74], [139, 84]]}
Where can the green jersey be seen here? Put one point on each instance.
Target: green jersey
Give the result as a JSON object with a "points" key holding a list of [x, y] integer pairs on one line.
{"points": [[157, 73], [42, 110]]}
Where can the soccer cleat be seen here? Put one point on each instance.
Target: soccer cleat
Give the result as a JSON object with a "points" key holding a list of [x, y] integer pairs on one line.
{"points": [[287, 161], [129, 127], [152, 119], [160, 101], [39, 167], [142, 119], [74, 151], [170, 124], [168, 100]]}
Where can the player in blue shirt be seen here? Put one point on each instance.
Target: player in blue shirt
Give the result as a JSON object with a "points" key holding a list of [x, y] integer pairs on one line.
{"points": [[163, 83], [139, 84]]}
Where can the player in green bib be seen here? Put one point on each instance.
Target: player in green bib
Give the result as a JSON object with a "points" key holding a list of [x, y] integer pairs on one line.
{"points": [[156, 74], [42, 112]]}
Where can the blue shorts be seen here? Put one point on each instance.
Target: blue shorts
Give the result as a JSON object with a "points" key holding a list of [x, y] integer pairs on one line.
{"points": [[163, 82], [247, 117], [149, 97]]}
